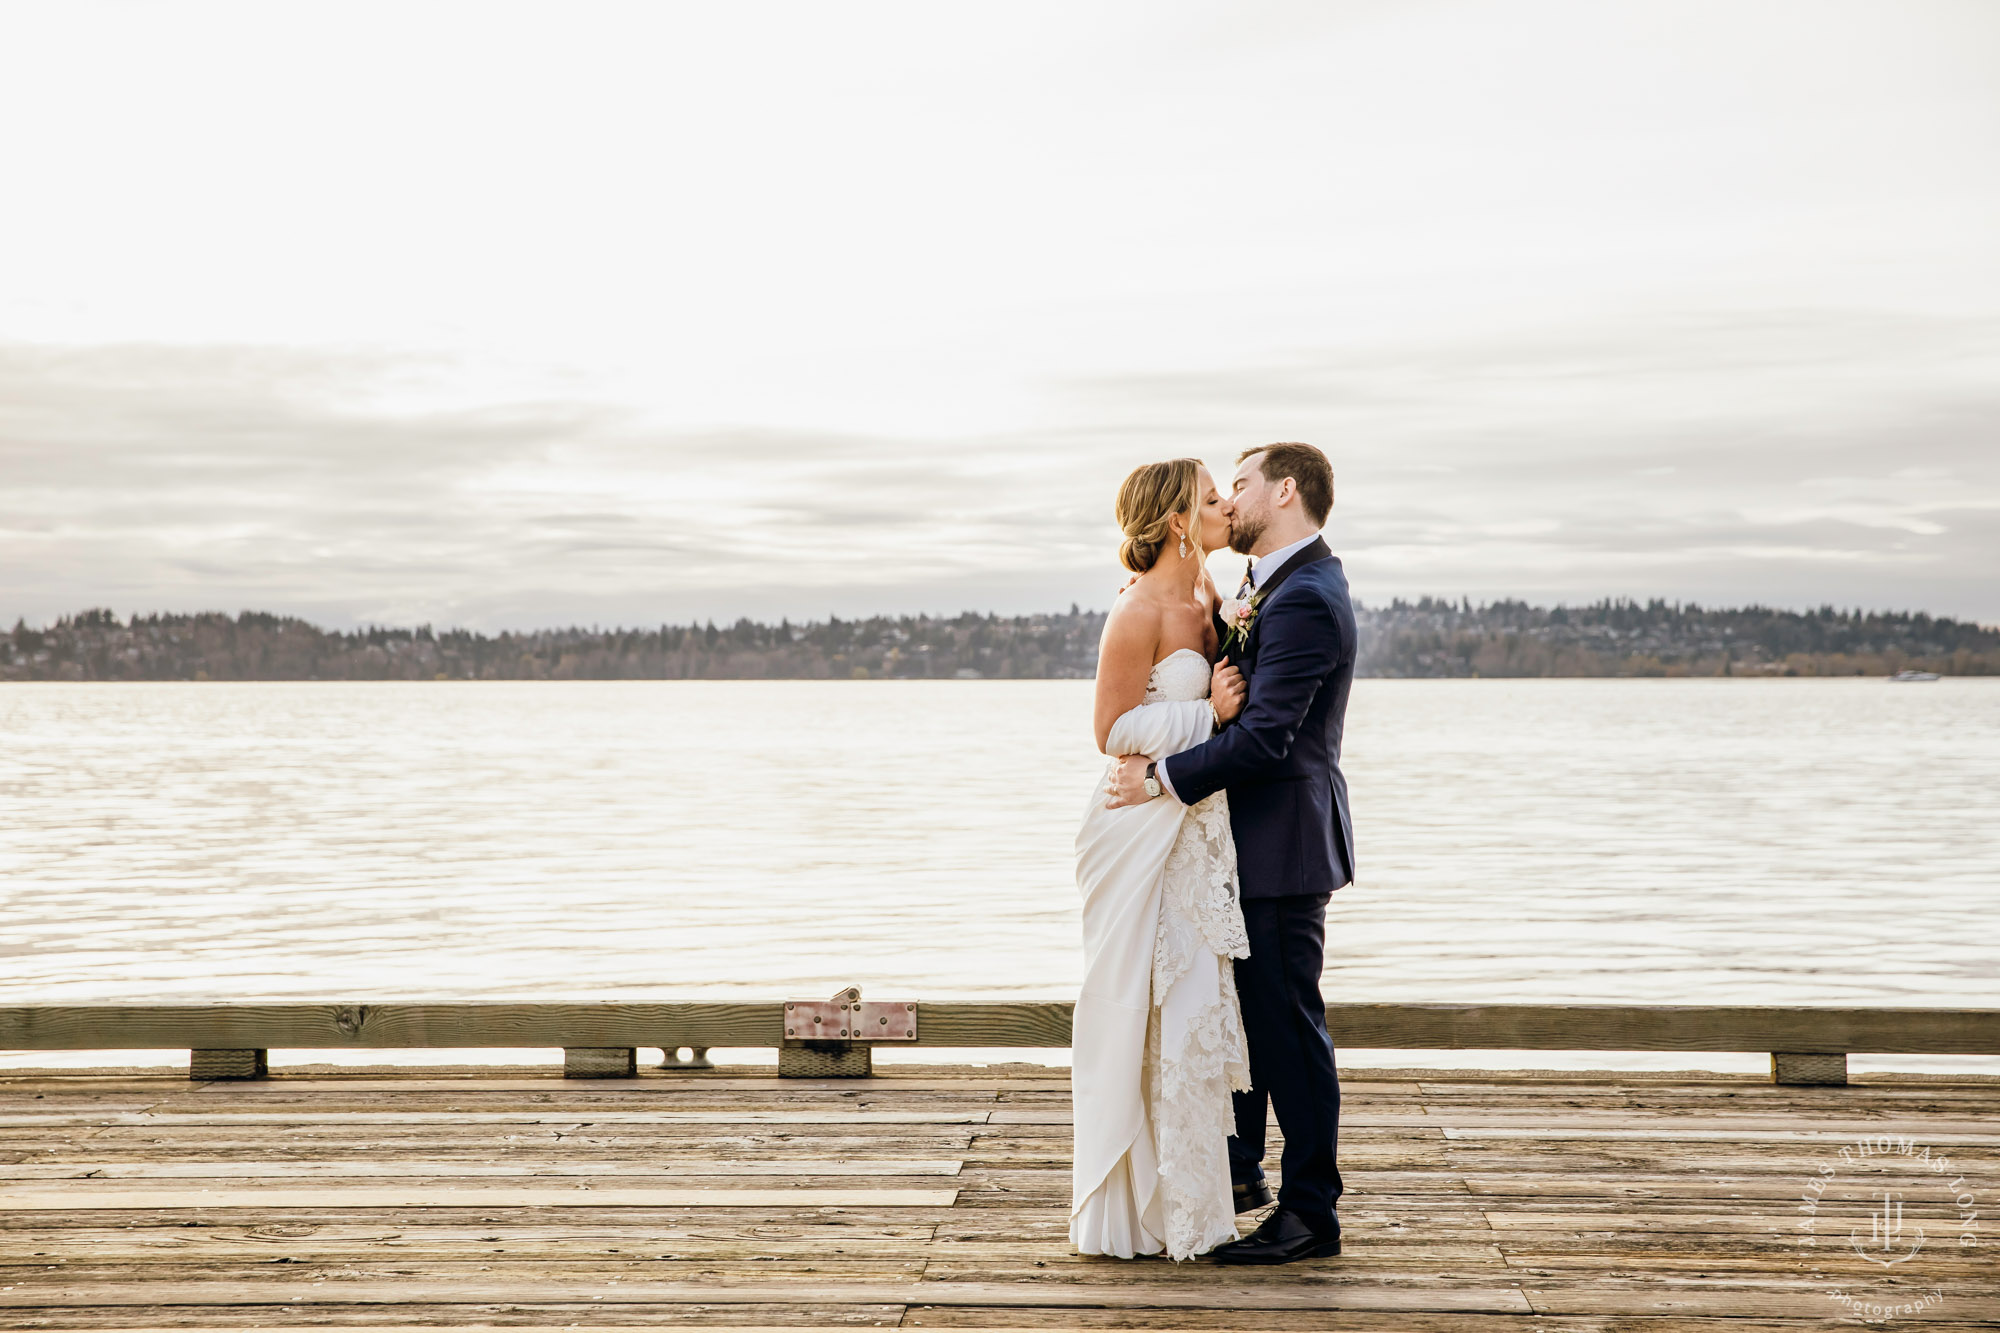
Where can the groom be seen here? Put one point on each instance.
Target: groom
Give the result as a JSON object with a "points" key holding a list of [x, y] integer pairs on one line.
{"points": [[1280, 763]]}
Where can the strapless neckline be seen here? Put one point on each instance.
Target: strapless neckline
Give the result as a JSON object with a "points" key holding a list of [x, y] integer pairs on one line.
{"points": [[1182, 674]]}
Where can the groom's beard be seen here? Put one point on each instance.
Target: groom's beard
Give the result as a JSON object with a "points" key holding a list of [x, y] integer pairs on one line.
{"points": [[1243, 534]]}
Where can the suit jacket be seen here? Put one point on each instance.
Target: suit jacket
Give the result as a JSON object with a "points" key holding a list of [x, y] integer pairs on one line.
{"points": [[1280, 761]]}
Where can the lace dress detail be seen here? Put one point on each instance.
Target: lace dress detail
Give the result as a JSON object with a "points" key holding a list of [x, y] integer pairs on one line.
{"points": [[1158, 1037], [1195, 1049]]}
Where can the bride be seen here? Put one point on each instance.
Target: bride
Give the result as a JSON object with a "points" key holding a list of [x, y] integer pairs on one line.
{"points": [[1158, 1040]]}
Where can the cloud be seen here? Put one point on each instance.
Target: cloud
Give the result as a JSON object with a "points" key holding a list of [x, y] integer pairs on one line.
{"points": [[870, 311], [1786, 457], [1790, 456], [175, 477]]}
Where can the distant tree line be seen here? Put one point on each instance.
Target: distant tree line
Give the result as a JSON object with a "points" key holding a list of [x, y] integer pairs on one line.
{"points": [[1432, 637], [96, 645], [1425, 638]]}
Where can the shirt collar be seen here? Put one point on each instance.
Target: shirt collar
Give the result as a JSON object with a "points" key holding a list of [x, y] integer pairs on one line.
{"points": [[1263, 566]]}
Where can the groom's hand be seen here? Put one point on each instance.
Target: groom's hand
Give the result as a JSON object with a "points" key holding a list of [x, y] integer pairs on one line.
{"points": [[1127, 784], [1226, 689]]}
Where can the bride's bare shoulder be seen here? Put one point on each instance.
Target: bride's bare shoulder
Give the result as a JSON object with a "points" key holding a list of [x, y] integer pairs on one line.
{"points": [[1135, 611], [1131, 632]]}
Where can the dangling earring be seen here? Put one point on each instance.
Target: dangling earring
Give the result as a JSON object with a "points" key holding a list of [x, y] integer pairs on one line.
{"points": [[1183, 546]]}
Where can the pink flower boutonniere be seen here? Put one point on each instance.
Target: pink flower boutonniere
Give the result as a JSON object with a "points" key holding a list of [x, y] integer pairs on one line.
{"points": [[1237, 618]]}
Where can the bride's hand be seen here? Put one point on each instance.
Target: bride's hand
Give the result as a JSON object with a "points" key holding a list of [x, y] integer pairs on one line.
{"points": [[1226, 689]]}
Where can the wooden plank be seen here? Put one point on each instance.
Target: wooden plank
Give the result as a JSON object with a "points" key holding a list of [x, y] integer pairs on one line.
{"points": [[162, 1244], [1021, 1319], [417, 1318], [1617, 1027], [84, 1195], [1706, 1261], [1811, 1303], [425, 1167], [480, 1142], [1458, 1122], [1701, 1215], [294, 1271], [584, 1099], [1136, 1294], [309, 1115], [1780, 1186], [1752, 1028], [989, 1023], [1769, 1134], [646, 1084], [1908, 1030], [792, 1317], [1385, 1264], [676, 1141], [557, 1235], [386, 1026], [1558, 1117], [1644, 1087]]}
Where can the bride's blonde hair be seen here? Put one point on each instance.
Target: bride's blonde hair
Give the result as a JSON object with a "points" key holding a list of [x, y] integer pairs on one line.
{"points": [[1148, 498]]}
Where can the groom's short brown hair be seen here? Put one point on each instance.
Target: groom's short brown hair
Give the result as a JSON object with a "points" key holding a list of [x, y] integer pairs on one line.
{"points": [[1308, 469]]}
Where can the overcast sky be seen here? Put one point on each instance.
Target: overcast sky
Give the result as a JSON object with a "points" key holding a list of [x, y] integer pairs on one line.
{"points": [[503, 315]]}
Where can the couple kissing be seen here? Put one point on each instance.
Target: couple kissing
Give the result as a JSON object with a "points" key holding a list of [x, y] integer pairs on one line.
{"points": [[1205, 864]]}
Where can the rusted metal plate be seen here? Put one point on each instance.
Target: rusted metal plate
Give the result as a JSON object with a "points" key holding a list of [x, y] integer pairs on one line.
{"points": [[844, 1020], [816, 1020], [893, 1021]]}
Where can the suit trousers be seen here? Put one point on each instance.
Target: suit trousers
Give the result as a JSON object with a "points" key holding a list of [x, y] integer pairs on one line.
{"points": [[1291, 1055]]}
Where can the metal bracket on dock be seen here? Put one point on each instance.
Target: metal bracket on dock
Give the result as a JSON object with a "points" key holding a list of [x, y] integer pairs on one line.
{"points": [[697, 1058], [835, 1038]]}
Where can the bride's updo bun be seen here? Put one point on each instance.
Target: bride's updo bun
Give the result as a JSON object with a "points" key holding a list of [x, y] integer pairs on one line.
{"points": [[1147, 499]]}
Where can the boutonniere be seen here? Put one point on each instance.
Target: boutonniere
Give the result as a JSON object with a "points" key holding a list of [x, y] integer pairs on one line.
{"points": [[1237, 618]]}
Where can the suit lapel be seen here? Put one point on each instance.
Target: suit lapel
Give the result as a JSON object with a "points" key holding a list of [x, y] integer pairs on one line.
{"points": [[1316, 551]]}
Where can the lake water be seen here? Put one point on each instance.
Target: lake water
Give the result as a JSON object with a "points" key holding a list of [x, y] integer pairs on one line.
{"points": [[1664, 841]]}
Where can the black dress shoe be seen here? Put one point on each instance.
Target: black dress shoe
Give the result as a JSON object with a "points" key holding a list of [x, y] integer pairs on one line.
{"points": [[1284, 1238], [1251, 1194]]}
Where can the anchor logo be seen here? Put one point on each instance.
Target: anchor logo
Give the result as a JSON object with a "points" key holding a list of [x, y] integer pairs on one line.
{"points": [[1885, 1231]]}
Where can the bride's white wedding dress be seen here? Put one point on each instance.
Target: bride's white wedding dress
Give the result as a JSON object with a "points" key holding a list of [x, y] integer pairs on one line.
{"points": [[1158, 1038]]}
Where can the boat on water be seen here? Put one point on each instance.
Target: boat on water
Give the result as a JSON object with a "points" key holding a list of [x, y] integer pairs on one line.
{"points": [[1908, 677]]}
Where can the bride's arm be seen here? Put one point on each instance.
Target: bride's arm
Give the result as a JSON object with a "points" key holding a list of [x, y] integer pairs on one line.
{"points": [[1124, 662]]}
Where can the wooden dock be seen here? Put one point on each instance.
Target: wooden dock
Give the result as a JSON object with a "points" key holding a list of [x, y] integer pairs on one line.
{"points": [[937, 1197]]}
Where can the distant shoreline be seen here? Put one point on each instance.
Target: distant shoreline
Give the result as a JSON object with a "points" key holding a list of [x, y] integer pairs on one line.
{"points": [[1427, 639], [894, 680]]}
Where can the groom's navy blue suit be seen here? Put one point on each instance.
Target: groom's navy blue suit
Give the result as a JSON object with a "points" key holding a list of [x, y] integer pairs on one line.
{"points": [[1280, 763]]}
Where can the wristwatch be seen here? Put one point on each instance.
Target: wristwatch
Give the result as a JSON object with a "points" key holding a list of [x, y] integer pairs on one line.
{"points": [[1152, 780]]}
